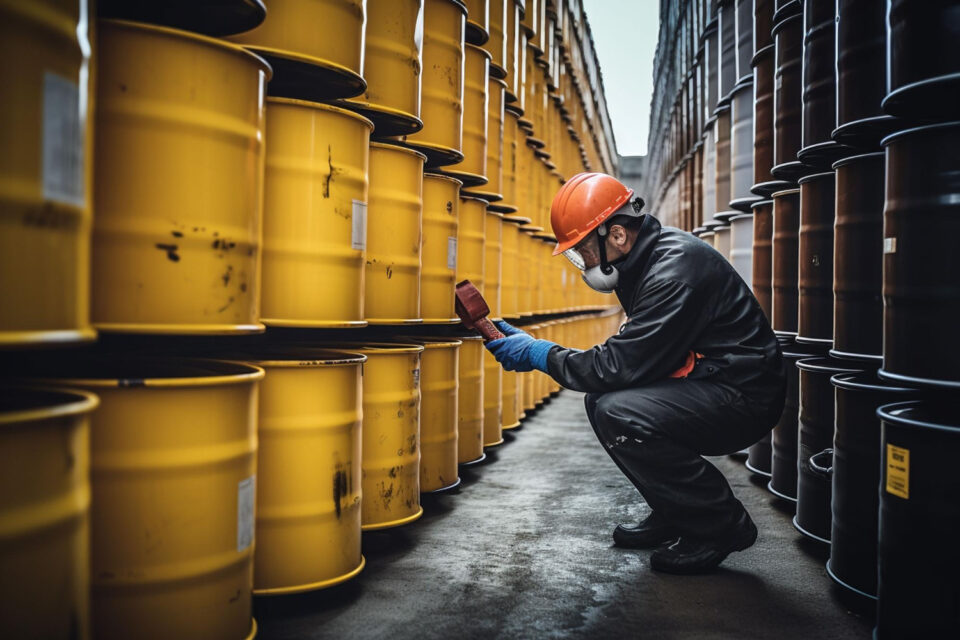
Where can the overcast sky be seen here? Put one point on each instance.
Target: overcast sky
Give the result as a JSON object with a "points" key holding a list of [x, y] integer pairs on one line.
{"points": [[625, 35]]}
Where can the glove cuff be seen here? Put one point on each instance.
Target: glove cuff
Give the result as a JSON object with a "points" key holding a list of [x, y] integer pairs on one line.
{"points": [[539, 351]]}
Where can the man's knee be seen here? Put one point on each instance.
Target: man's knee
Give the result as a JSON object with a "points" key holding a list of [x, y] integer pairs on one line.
{"points": [[601, 407]]}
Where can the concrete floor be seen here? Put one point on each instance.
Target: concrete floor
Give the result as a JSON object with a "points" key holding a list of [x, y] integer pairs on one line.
{"points": [[524, 551]]}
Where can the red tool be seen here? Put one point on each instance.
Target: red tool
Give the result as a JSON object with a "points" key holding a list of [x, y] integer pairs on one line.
{"points": [[473, 311]]}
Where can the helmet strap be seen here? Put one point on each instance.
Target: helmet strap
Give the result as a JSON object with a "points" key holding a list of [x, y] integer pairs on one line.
{"points": [[605, 266]]}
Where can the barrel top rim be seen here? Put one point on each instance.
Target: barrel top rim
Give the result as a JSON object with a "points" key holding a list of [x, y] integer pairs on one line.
{"points": [[760, 203], [246, 373], [320, 106], [433, 342], [889, 413], [741, 216], [866, 381], [469, 196], [376, 144], [912, 130], [813, 176], [83, 402], [477, 47], [442, 176], [379, 347], [842, 162], [277, 356], [183, 34], [815, 363], [779, 25], [784, 192], [460, 4]]}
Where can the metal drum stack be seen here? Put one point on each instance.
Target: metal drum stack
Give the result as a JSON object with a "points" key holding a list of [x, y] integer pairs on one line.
{"points": [[257, 214]]}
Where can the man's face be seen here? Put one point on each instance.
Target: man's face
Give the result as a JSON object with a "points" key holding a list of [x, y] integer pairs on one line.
{"points": [[618, 243]]}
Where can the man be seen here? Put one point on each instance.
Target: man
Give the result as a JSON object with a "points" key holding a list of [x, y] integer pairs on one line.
{"points": [[695, 370]]}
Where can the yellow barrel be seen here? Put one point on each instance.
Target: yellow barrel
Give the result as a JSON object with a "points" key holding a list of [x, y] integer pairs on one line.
{"points": [[511, 58], [492, 400], [45, 172], [179, 182], [441, 108], [492, 272], [314, 46], [45, 513], [509, 295], [315, 222], [496, 44], [511, 133], [525, 273], [439, 415], [478, 21], [512, 401], [392, 280], [308, 536], [493, 190], [524, 177], [391, 435], [391, 67], [470, 400], [471, 233], [173, 469], [472, 171], [438, 253]]}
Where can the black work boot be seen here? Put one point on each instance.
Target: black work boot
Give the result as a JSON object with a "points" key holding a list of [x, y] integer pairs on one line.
{"points": [[690, 556], [651, 532]]}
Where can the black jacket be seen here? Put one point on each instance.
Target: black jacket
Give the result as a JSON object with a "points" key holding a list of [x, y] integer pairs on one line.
{"points": [[679, 295]]}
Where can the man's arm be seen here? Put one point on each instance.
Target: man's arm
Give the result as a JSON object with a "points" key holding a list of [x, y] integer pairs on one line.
{"points": [[657, 336]]}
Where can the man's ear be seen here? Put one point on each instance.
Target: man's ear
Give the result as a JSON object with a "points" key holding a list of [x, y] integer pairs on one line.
{"points": [[618, 234]]}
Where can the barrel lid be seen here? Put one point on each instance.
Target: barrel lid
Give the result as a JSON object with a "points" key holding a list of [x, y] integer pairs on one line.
{"points": [[842, 162], [816, 176], [867, 381], [387, 146], [742, 216], [922, 413], [31, 404], [825, 364], [300, 357], [520, 220], [320, 106], [761, 203], [212, 18], [180, 34], [113, 371], [914, 130]]}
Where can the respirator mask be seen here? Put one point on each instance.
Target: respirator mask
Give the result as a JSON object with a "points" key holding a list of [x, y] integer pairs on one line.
{"points": [[604, 276]]}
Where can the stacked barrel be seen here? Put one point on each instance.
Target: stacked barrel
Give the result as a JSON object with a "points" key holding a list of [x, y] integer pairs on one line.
{"points": [[845, 230], [255, 274]]}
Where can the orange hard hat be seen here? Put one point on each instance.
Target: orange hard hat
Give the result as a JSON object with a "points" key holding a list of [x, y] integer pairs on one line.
{"points": [[582, 204]]}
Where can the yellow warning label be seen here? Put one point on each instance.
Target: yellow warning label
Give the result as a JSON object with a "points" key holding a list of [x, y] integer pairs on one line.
{"points": [[898, 471]]}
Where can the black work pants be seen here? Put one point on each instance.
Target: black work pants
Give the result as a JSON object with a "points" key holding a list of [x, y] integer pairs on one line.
{"points": [[657, 435]]}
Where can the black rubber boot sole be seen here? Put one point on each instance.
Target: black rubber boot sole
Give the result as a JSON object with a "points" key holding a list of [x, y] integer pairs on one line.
{"points": [[667, 562]]}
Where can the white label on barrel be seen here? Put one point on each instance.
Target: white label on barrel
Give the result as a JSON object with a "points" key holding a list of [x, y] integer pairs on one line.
{"points": [[451, 253], [898, 471], [358, 239], [245, 502], [63, 139], [889, 245]]}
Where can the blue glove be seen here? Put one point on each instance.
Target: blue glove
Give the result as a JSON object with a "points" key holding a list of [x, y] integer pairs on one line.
{"points": [[519, 351]]}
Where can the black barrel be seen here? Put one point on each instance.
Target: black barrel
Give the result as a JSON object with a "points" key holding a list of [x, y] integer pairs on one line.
{"points": [[919, 558], [721, 137], [759, 456], [741, 147], [783, 468], [728, 49], [711, 62], [763, 255], [923, 59], [815, 438], [816, 259], [921, 268], [786, 245], [744, 40], [819, 150], [858, 258], [861, 73], [856, 476], [787, 100]]}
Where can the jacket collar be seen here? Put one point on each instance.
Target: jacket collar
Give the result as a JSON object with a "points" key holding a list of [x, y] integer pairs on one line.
{"points": [[634, 267]]}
